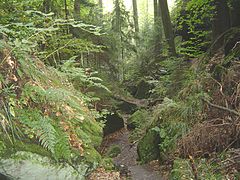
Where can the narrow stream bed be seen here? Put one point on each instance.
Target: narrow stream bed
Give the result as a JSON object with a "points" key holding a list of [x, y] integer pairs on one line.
{"points": [[127, 159]]}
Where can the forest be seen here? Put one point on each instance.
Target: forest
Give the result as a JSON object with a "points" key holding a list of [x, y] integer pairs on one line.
{"points": [[120, 89]]}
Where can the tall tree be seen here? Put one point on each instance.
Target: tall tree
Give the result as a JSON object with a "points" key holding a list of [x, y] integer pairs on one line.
{"points": [[46, 6], [76, 13], [155, 4], [135, 16], [66, 9], [100, 3], [235, 13], [157, 29], [117, 21], [221, 19], [167, 26]]}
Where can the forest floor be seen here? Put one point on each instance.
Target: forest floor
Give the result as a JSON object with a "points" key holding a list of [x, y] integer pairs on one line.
{"points": [[126, 161]]}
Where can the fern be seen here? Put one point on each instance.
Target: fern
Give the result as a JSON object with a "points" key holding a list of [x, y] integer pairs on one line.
{"points": [[41, 127], [62, 147], [46, 133], [79, 77]]}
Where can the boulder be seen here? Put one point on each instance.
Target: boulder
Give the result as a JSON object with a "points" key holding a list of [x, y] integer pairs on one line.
{"points": [[27, 166], [114, 122], [148, 147], [137, 119], [143, 88]]}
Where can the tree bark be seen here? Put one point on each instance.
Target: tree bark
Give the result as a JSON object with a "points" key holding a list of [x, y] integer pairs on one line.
{"points": [[117, 25], [66, 9], [235, 13], [157, 29], [47, 6], [221, 20], [76, 13], [100, 2], [135, 16], [167, 26], [155, 4]]}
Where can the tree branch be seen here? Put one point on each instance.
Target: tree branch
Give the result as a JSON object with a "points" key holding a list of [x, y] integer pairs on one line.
{"points": [[222, 108]]}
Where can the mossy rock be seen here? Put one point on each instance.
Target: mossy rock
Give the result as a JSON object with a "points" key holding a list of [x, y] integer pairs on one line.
{"points": [[26, 165], [114, 122], [148, 147], [23, 146], [137, 119], [107, 163], [113, 151], [91, 132], [143, 88], [91, 155], [126, 107]]}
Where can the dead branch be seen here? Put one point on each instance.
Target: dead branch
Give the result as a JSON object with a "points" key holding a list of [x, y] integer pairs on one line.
{"points": [[222, 107]]}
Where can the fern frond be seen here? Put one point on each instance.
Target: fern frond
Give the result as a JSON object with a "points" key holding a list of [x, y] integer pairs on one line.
{"points": [[46, 133], [62, 147], [41, 127]]}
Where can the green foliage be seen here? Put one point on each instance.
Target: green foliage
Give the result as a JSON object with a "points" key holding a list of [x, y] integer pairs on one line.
{"points": [[107, 163], [80, 78], [148, 146], [2, 148], [62, 148], [193, 22], [113, 151], [140, 121], [169, 133], [41, 102], [182, 169]]}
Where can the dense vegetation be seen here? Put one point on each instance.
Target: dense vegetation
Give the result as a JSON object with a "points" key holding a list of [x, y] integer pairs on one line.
{"points": [[72, 73]]}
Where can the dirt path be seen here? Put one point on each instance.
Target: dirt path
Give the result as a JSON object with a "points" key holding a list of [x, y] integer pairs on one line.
{"points": [[127, 159]]}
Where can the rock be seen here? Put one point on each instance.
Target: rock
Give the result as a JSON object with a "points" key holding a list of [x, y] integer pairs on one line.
{"points": [[4, 177], [137, 119], [28, 166], [148, 147], [114, 122], [143, 89], [127, 107]]}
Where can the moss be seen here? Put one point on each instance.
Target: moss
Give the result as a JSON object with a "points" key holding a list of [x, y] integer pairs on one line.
{"points": [[93, 132], [137, 119], [143, 89], [92, 156], [113, 151], [2, 148], [107, 163], [182, 170], [140, 121], [34, 148], [148, 147]]}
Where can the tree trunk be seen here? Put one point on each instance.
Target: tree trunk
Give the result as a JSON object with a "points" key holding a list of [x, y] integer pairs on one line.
{"points": [[117, 25], [46, 6], [167, 26], [155, 4], [100, 2], [221, 20], [135, 16], [235, 13], [157, 29], [66, 9], [76, 13]]}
